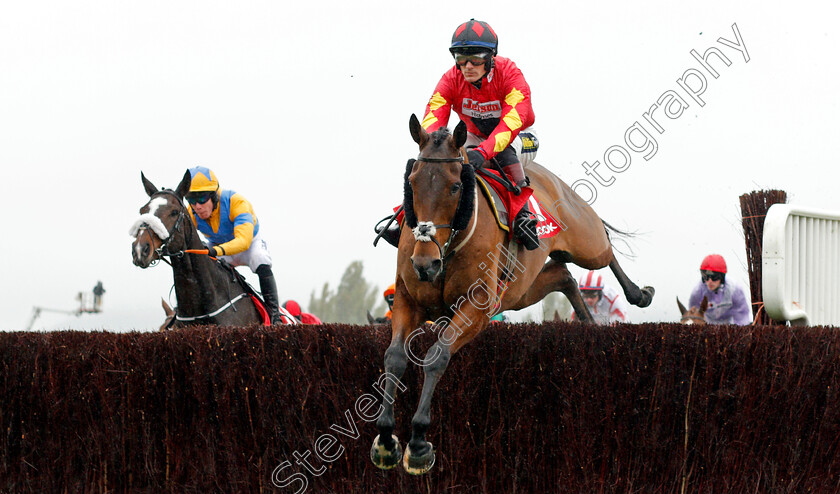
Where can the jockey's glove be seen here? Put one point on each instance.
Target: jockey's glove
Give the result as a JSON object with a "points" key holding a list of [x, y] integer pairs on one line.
{"points": [[213, 251], [475, 158]]}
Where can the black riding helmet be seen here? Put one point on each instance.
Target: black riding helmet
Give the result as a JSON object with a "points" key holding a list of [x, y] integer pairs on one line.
{"points": [[474, 34], [475, 38]]}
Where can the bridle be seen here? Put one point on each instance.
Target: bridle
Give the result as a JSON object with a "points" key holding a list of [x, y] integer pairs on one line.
{"points": [[699, 319], [425, 230], [163, 251]]}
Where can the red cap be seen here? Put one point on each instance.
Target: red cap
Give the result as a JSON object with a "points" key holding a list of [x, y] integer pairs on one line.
{"points": [[713, 262], [292, 307]]}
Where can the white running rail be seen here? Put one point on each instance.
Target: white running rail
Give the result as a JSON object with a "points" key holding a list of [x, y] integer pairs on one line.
{"points": [[801, 265]]}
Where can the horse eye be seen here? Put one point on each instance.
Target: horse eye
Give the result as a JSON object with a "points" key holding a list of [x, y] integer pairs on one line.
{"points": [[455, 188], [174, 213]]}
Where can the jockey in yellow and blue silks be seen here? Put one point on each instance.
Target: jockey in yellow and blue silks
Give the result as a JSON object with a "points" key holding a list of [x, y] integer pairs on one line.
{"points": [[227, 220]]}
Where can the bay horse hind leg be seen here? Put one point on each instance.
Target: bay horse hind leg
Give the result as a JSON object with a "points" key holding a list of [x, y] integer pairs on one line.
{"points": [[386, 451], [640, 297], [556, 277]]}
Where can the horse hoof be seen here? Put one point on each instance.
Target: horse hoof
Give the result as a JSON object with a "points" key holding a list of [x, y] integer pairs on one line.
{"points": [[647, 296], [418, 465], [384, 458]]}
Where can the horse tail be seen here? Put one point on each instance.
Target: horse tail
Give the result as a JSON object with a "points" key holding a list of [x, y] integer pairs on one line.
{"points": [[623, 236]]}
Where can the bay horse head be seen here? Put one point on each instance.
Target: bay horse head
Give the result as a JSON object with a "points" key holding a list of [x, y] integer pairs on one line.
{"points": [[161, 228], [694, 315], [439, 196]]}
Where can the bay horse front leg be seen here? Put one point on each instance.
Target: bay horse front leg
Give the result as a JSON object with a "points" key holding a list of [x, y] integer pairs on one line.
{"points": [[386, 450], [419, 455]]}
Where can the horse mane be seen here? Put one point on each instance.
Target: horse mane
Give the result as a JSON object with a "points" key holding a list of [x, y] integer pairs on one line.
{"points": [[466, 203], [408, 197]]}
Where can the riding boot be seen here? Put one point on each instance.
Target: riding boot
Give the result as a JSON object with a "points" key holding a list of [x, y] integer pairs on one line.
{"points": [[525, 228], [391, 234], [516, 172], [269, 292], [525, 224]]}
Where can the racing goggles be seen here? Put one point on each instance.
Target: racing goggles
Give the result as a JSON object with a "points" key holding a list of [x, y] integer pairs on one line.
{"points": [[711, 275], [198, 197], [474, 59]]}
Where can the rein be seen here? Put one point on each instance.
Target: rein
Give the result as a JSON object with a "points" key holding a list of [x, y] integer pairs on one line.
{"points": [[500, 178]]}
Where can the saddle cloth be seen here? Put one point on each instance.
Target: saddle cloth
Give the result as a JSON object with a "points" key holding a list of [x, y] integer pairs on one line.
{"points": [[505, 205]]}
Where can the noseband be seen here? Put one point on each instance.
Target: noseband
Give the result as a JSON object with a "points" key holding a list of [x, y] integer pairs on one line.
{"points": [[163, 250], [699, 319]]}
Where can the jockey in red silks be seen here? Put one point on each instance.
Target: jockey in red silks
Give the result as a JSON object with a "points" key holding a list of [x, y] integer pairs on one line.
{"points": [[227, 220], [603, 302], [303, 317], [490, 95]]}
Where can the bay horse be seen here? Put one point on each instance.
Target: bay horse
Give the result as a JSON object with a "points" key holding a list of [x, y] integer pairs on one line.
{"points": [[206, 291], [694, 315], [453, 268]]}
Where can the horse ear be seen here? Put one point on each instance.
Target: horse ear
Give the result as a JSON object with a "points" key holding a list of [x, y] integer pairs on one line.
{"points": [[184, 186], [681, 306], [166, 308], [149, 186], [460, 134], [418, 133], [704, 305]]}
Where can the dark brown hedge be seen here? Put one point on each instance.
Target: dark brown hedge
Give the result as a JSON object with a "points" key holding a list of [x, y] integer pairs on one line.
{"points": [[525, 408]]}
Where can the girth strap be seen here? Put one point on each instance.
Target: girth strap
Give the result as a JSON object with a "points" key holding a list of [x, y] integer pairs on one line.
{"points": [[214, 313]]}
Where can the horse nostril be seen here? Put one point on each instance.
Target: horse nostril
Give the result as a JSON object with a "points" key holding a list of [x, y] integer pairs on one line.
{"points": [[427, 270], [146, 250]]}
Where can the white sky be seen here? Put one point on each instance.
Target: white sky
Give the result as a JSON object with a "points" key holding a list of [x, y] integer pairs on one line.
{"points": [[303, 107]]}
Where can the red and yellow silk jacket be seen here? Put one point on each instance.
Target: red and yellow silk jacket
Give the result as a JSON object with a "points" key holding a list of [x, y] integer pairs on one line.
{"points": [[497, 111]]}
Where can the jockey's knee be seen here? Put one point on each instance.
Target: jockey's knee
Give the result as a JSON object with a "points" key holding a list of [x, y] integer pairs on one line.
{"points": [[263, 270], [507, 157]]}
